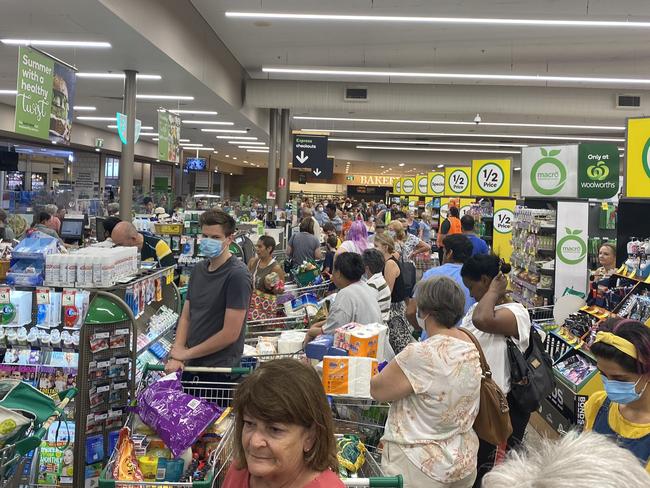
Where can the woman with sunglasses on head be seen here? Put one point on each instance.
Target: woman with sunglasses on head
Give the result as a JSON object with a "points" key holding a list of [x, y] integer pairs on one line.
{"points": [[622, 411]]}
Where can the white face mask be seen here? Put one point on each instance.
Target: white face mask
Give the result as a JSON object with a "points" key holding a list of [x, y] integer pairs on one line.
{"points": [[421, 320]]}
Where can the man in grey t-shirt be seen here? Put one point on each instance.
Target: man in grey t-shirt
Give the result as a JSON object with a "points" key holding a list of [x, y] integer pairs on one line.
{"points": [[211, 328], [355, 300]]}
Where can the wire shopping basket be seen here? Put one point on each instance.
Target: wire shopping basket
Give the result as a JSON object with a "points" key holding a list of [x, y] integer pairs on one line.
{"points": [[221, 393], [11, 455]]}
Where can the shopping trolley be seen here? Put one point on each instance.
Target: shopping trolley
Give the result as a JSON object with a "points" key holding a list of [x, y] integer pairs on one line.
{"points": [[221, 393], [254, 360], [320, 289], [11, 455], [254, 328]]}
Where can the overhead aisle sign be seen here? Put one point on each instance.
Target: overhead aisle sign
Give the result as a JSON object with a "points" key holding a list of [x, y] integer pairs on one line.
{"points": [[397, 186], [598, 170], [571, 268], [309, 151], [169, 134], [436, 183], [422, 185], [324, 171], [549, 171], [458, 181], [637, 158], [504, 212], [408, 185], [491, 177]]}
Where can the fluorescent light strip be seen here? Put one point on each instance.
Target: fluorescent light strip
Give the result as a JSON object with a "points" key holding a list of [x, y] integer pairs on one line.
{"points": [[253, 147], [183, 140], [430, 143], [40, 42], [84, 108], [96, 119], [438, 149], [143, 96], [452, 76], [249, 138], [144, 127], [257, 150], [450, 134], [187, 144], [251, 143], [116, 76], [151, 134], [8, 92], [224, 131], [457, 122], [196, 112], [207, 122], [441, 20]]}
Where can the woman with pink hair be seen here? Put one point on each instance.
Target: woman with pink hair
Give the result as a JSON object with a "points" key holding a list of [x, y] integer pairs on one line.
{"points": [[356, 239]]}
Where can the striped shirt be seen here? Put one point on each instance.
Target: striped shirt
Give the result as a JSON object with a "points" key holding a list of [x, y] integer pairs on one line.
{"points": [[378, 283]]}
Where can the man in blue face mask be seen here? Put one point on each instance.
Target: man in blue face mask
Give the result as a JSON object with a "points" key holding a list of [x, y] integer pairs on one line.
{"points": [[210, 330]]}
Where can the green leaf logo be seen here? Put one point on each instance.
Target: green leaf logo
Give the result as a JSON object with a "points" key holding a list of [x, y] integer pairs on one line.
{"points": [[598, 171], [548, 175], [571, 249]]}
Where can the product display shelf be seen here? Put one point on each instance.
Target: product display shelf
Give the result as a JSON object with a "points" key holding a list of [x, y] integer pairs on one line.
{"points": [[533, 244]]}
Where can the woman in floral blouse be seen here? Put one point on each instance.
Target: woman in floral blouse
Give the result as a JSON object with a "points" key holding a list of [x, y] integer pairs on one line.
{"points": [[434, 390]]}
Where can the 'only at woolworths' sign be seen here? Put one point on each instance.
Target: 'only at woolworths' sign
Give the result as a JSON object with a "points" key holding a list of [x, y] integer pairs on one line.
{"points": [[550, 171], [598, 170]]}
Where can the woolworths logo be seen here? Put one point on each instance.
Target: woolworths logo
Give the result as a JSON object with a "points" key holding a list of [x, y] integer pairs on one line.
{"points": [[571, 249], [548, 175], [598, 171]]}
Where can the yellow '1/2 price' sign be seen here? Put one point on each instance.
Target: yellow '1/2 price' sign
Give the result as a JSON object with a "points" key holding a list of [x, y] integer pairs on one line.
{"points": [[458, 181], [491, 177], [637, 158]]}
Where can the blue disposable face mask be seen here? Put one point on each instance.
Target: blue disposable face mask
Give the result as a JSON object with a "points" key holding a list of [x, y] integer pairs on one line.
{"points": [[211, 247], [622, 392]]}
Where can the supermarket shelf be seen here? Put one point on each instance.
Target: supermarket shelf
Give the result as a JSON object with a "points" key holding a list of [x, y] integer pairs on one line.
{"points": [[526, 303], [157, 338], [532, 287]]}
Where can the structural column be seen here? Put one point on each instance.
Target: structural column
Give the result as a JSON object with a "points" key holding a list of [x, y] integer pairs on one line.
{"points": [[283, 192], [128, 149], [273, 157]]}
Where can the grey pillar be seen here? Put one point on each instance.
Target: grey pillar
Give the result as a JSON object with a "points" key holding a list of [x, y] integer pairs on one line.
{"points": [[271, 183], [222, 186], [128, 149], [283, 193]]}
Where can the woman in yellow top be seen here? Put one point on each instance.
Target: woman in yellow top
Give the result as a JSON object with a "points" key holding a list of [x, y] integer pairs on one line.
{"points": [[622, 411]]}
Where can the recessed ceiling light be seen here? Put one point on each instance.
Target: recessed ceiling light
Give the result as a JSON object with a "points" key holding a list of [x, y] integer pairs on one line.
{"points": [[215, 152], [196, 112], [440, 166], [143, 96], [157, 160], [84, 108], [248, 138], [227, 155], [430, 143], [8, 92], [207, 122], [440, 20], [454, 76], [438, 149], [400, 165], [41, 42], [453, 134], [381, 167], [234, 157], [96, 149], [116, 76], [517, 168], [230, 174], [459, 122], [96, 119], [229, 131], [251, 143]]}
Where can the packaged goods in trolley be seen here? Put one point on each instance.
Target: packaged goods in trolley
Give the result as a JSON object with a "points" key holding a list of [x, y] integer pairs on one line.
{"points": [[266, 346], [26, 414]]}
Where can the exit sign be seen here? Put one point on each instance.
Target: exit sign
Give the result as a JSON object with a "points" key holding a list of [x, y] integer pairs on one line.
{"points": [[349, 178]]}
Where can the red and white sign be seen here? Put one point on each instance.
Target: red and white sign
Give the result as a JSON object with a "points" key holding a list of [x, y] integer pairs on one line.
{"points": [[270, 195], [282, 183]]}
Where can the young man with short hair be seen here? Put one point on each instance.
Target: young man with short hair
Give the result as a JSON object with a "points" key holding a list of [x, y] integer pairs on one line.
{"points": [[479, 245], [355, 300], [211, 328]]}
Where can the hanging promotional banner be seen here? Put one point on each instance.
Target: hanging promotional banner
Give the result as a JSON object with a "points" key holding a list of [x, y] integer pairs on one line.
{"points": [[637, 158], [598, 170], [504, 212], [122, 121], [397, 186], [436, 183], [491, 177], [458, 181], [408, 185], [169, 134], [422, 184], [549, 171], [571, 267], [45, 96]]}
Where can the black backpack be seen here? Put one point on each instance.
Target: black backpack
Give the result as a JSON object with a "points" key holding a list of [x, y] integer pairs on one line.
{"points": [[531, 373], [407, 272]]}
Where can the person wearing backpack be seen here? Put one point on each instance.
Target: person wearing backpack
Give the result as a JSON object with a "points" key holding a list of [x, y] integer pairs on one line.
{"points": [[494, 320], [399, 331]]}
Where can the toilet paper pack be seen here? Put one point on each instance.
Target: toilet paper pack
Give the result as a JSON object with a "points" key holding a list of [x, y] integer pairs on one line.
{"points": [[348, 376], [290, 342], [362, 340]]}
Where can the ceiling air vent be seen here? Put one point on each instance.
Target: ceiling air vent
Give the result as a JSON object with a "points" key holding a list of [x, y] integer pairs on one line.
{"points": [[628, 101], [356, 94]]}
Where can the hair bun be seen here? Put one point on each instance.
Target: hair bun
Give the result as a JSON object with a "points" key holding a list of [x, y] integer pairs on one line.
{"points": [[504, 267]]}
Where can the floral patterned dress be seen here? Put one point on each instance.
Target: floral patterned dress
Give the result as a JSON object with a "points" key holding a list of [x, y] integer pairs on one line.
{"points": [[433, 426]]}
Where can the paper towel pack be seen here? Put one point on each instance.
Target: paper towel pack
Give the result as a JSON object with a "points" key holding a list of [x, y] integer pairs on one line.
{"points": [[348, 376]]}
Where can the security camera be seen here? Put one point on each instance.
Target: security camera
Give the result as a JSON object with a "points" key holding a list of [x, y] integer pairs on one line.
{"points": [[477, 119]]}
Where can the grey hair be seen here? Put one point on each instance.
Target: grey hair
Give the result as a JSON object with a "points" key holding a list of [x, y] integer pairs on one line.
{"points": [[576, 461], [113, 208], [51, 209], [441, 298]]}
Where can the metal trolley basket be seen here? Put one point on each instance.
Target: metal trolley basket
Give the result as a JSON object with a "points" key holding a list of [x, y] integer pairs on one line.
{"points": [[221, 393], [12, 454]]}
